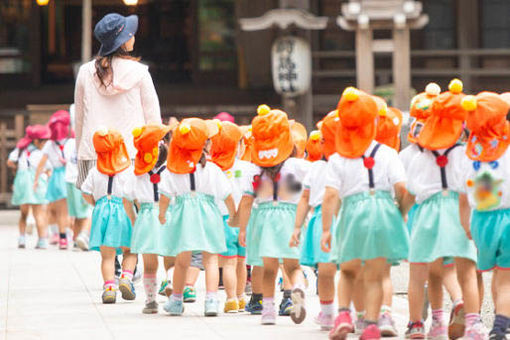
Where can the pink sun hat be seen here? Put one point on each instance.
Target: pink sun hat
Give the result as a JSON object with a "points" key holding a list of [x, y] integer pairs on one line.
{"points": [[225, 117]]}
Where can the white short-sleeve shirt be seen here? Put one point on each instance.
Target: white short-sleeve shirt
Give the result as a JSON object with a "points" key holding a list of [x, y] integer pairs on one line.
{"points": [[209, 180], [240, 177], [140, 188], [406, 155], [349, 175], [96, 183], [425, 175], [71, 157], [55, 154], [293, 172], [487, 183], [315, 181]]}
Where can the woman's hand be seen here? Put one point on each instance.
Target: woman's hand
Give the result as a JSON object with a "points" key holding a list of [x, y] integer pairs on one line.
{"points": [[326, 241], [242, 238], [294, 239]]}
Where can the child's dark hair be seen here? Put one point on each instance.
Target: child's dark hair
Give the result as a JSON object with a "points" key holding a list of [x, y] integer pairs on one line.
{"points": [[163, 154]]}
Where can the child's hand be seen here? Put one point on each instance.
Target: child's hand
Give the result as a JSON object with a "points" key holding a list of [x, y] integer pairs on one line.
{"points": [[162, 219], [294, 239], [326, 241], [231, 221], [242, 238], [36, 184]]}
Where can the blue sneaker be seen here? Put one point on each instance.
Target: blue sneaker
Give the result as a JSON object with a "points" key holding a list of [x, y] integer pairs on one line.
{"points": [[211, 307], [127, 289], [285, 307], [254, 307], [174, 307]]}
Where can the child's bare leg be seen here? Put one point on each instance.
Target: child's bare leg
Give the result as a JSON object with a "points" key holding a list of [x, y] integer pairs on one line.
{"points": [[373, 277], [39, 212], [22, 224], [271, 266], [387, 285], [212, 274], [108, 263], [294, 273], [182, 262], [229, 265], [241, 274], [358, 298], [349, 272], [418, 274]]}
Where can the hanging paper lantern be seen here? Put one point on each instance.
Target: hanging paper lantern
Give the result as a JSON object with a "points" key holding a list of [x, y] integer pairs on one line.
{"points": [[42, 2]]}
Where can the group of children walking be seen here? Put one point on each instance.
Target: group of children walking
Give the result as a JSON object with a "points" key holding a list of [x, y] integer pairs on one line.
{"points": [[45, 163], [341, 199]]}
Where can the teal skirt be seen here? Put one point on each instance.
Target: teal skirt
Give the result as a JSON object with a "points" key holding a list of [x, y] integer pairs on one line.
{"points": [[111, 226], [491, 233], [234, 249], [57, 185], [147, 230], [23, 190], [369, 227], [437, 231], [410, 217], [194, 224], [277, 225], [311, 252], [77, 207], [253, 233]]}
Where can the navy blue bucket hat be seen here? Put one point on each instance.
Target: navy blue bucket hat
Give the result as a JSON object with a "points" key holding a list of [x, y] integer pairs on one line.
{"points": [[113, 31]]}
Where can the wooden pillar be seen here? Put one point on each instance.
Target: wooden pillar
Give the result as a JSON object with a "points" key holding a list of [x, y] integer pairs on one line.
{"points": [[401, 67], [52, 28], [19, 126], [364, 60], [86, 31], [468, 28], [35, 43]]}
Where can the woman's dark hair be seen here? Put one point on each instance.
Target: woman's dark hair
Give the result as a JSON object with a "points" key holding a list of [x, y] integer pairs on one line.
{"points": [[104, 70]]}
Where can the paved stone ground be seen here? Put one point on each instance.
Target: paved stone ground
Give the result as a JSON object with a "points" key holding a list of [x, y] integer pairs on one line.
{"points": [[55, 294]]}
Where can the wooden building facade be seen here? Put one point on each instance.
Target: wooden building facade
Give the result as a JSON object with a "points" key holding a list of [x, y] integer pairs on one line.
{"points": [[203, 63]]}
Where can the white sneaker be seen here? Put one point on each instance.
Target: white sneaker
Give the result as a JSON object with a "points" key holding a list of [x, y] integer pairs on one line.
{"points": [[22, 242], [82, 241]]}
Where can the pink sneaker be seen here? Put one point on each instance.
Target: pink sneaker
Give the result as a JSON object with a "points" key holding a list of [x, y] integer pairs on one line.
{"points": [[62, 244], [476, 332], [54, 238], [371, 332], [457, 322], [268, 315], [343, 326], [326, 321], [438, 331]]}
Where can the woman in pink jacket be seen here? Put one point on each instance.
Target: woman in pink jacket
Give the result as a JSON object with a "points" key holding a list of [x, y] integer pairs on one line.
{"points": [[114, 91]]}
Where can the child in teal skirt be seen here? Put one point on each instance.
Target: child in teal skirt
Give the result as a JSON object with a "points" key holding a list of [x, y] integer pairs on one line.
{"points": [[420, 110], [276, 189], [77, 207], [53, 152], [311, 198], [194, 221], [24, 160], [435, 180], [370, 230], [142, 188], [485, 207], [111, 226], [224, 151]]}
